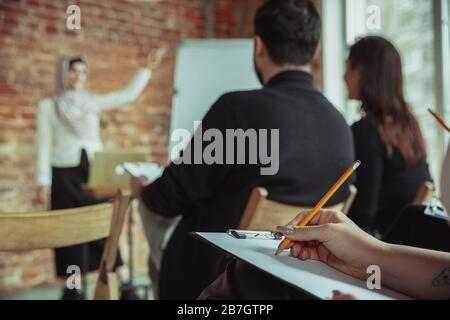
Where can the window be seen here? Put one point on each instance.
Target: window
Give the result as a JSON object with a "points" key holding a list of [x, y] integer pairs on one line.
{"points": [[446, 63]]}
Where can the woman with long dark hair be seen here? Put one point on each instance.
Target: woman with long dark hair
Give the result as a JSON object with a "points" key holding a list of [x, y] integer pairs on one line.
{"points": [[388, 139]]}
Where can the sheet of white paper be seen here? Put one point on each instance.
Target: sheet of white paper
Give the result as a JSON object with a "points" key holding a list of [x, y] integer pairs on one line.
{"points": [[312, 276], [435, 208], [149, 170]]}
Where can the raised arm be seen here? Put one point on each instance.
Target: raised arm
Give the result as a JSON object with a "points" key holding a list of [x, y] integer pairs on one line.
{"points": [[127, 95], [135, 87]]}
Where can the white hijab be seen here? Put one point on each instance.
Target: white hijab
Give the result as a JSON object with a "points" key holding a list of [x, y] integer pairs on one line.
{"points": [[76, 108]]}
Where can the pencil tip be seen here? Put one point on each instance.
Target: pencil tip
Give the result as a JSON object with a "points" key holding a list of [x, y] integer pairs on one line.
{"points": [[278, 252]]}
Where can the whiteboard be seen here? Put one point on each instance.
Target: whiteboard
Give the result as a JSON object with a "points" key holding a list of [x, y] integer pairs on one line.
{"points": [[205, 70]]}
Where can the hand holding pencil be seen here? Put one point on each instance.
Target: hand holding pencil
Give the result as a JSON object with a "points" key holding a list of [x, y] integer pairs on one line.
{"points": [[332, 238], [286, 243], [155, 57]]}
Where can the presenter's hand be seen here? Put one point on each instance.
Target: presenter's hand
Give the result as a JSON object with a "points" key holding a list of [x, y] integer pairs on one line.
{"points": [[155, 57], [334, 239], [42, 195]]}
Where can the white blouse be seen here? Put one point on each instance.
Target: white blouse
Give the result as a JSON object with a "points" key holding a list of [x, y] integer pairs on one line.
{"points": [[59, 147]]}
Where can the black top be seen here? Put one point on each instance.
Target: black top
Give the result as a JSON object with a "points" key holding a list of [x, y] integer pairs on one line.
{"points": [[385, 184], [315, 148]]}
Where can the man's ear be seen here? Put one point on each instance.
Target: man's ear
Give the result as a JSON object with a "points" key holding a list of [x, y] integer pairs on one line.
{"points": [[260, 48], [317, 59]]}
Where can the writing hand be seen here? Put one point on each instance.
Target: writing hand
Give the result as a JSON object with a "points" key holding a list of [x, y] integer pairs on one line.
{"points": [[334, 239]]}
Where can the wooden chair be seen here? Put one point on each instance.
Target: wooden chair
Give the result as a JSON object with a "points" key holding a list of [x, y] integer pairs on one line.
{"points": [[425, 192], [60, 228], [263, 214]]}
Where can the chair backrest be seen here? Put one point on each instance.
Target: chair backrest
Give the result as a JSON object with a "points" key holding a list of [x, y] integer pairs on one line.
{"points": [[425, 192], [349, 201], [263, 214], [60, 228]]}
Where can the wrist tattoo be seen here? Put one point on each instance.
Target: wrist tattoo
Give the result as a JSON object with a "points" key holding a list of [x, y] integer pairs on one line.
{"points": [[443, 279]]}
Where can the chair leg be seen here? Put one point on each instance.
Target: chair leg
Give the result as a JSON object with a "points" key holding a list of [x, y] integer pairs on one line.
{"points": [[113, 286], [108, 290]]}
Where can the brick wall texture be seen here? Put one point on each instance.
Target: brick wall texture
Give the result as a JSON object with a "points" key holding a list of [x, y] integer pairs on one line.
{"points": [[115, 36]]}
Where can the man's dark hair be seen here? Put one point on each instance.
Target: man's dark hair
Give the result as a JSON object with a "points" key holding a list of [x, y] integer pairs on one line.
{"points": [[290, 29]]}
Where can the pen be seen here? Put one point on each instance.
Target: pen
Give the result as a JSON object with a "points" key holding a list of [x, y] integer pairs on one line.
{"points": [[286, 243]]}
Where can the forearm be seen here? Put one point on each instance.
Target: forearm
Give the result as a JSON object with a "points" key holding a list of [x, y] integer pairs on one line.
{"points": [[416, 272], [127, 95]]}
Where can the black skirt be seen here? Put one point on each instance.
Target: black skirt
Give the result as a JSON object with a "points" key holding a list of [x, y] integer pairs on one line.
{"points": [[66, 193]]}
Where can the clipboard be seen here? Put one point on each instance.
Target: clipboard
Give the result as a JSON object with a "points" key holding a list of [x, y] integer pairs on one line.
{"points": [[249, 235], [149, 170], [313, 277]]}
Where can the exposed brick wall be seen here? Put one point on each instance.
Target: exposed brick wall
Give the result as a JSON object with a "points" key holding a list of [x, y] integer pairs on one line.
{"points": [[116, 37]]}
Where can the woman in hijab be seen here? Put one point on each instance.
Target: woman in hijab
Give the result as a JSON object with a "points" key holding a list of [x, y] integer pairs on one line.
{"points": [[68, 131]]}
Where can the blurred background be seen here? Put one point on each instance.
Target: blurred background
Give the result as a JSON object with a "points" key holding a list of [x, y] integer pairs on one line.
{"points": [[116, 37]]}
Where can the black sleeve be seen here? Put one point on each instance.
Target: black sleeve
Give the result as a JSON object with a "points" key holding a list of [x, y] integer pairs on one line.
{"points": [[183, 187], [370, 149]]}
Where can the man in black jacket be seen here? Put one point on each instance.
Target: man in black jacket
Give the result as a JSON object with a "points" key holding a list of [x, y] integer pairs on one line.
{"points": [[310, 142]]}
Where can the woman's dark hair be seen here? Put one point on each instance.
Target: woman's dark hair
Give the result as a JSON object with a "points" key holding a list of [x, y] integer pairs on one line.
{"points": [[382, 96], [290, 29]]}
